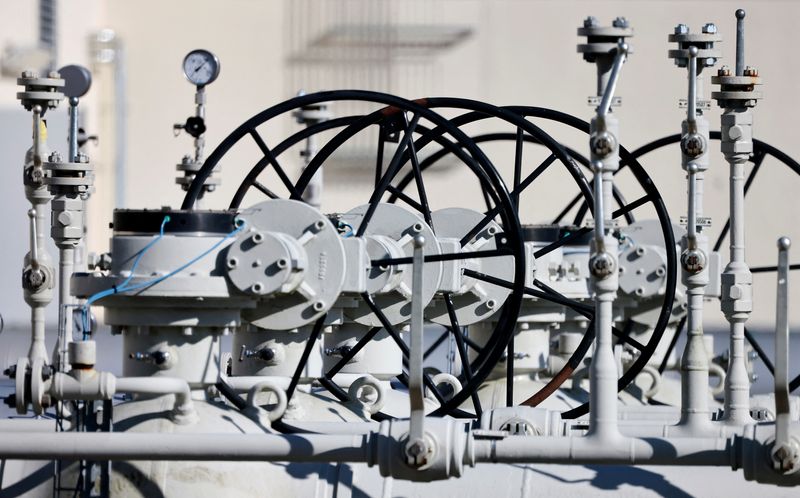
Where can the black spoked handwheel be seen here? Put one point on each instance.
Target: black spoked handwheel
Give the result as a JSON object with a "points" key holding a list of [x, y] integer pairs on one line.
{"points": [[652, 197], [761, 151], [403, 121]]}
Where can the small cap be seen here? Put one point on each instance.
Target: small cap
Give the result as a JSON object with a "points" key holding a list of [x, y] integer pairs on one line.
{"points": [[784, 243], [740, 14], [693, 51]]}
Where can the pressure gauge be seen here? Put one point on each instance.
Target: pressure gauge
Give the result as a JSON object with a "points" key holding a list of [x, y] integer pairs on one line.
{"points": [[201, 67]]}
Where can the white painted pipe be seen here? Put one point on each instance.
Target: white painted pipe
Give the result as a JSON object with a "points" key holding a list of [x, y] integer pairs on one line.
{"points": [[175, 446], [160, 386], [590, 450]]}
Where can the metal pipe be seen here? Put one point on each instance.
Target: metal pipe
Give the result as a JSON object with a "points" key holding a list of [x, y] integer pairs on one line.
{"points": [[73, 130], [611, 86], [691, 108], [66, 265], [740, 42], [159, 386], [782, 405], [416, 393], [194, 447], [587, 450]]}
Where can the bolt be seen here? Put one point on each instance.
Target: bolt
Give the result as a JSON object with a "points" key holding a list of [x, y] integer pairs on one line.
{"points": [[750, 71], [710, 28], [54, 74], [55, 157], [603, 144], [30, 74], [693, 261], [590, 22], [491, 304], [693, 145], [620, 22], [82, 158], [601, 265], [232, 263], [724, 71], [258, 237], [416, 448], [319, 305], [681, 29]]}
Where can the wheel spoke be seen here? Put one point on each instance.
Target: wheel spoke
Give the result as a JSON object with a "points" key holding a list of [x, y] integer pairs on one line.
{"points": [[438, 342], [387, 325], [405, 198], [312, 341], [556, 298], [391, 172], [517, 167], [462, 351], [261, 188], [379, 155], [347, 356], [273, 161], [767, 269], [672, 343], [423, 196], [582, 231], [492, 213], [567, 209], [760, 352], [434, 258]]}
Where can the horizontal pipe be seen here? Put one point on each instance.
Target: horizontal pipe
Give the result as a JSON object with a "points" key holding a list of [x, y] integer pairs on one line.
{"points": [[591, 450], [172, 446], [157, 386]]}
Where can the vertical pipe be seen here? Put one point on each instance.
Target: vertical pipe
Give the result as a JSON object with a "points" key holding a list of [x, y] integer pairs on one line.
{"points": [[782, 406], [73, 130], [66, 266], [740, 42]]}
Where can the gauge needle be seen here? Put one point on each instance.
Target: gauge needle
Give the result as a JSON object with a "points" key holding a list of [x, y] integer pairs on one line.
{"points": [[200, 66]]}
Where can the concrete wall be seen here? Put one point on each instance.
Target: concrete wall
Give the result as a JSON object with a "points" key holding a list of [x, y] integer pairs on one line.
{"points": [[521, 52]]}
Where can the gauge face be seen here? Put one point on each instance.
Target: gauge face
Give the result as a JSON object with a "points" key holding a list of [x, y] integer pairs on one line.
{"points": [[201, 67]]}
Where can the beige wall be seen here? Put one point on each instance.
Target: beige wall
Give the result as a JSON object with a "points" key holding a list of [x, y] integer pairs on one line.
{"points": [[522, 52]]}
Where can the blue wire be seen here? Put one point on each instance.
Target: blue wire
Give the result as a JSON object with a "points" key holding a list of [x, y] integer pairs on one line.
{"points": [[348, 225], [124, 287]]}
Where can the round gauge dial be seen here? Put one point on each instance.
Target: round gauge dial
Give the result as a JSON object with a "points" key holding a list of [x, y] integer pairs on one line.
{"points": [[201, 67]]}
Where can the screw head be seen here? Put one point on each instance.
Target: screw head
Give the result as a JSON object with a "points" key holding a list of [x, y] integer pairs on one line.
{"points": [[750, 71], [710, 28], [724, 71], [681, 29], [590, 22]]}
